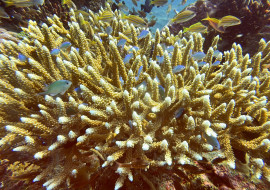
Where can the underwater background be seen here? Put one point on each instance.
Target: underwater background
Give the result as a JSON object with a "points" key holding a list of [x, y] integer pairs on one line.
{"points": [[134, 94]]}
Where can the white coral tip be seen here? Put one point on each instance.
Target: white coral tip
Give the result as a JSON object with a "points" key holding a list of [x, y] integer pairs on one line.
{"points": [[148, 139], [231, 164], [89, 131], [37, 178], [81, 138], [130, 143], [259, 162], [72, 135], [110, 158], [145, 146], [155, 109], [63, 120], [39, 155], [61, 138], [164, 144]]}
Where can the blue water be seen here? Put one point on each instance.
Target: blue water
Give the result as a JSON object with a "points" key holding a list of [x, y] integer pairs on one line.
{"points": [[160, 12]]}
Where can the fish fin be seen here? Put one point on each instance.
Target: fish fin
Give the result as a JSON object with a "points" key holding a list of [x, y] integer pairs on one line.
{"points": [[62, 93], [203, 137], [185, 29], [46, 87], [42, 93], [207, 17], [53, 94]]}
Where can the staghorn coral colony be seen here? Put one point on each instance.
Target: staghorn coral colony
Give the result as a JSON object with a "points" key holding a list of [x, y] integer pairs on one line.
{"points": [[130, 118]]}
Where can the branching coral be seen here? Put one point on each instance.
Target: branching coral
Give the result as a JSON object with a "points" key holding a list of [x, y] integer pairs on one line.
{"points": [[127, 113]]}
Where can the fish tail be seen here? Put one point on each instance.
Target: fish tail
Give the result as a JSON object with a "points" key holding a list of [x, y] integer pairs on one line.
{"points": [[124, 16], [172, 21]]}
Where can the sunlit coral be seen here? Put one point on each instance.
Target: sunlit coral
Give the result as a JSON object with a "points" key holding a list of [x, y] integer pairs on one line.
{"points": [[125, 114]]}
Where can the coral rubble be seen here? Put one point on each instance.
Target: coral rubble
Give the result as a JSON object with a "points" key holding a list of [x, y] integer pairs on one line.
{"points": [[128, 119]]}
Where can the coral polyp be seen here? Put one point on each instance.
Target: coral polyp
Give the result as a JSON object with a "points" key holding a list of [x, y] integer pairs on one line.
{"points": [[128, 119]]}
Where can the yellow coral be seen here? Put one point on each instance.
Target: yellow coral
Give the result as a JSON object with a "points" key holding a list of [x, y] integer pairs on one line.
{"points": [[124, 111]]}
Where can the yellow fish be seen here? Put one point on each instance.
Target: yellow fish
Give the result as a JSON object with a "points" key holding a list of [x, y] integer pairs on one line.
{"points": [[106, 16], [214, 23], [197, 27], [135, 2], [84, 14], [23, 3], [159, 2], [136, 20], [229, 21], [169, 8], [183, 16]]}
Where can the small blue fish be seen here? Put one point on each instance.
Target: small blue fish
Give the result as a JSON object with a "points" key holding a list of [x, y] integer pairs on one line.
{"points": [[143, 83], [201, 64], [65, 45], [139, 71], [121, 81], [84, 104], [78, 49], [216, 63], [178, 68], [212, 141], [78, 90], [55, 51], [121, 42], [198, 55], [157, 79], [161, 92], [22, 57], [143, 34], [178, 113], [216, 53], [160, 59], [108, 30], [134, 47], [57, 87], [170, 48], [130, 124], [128, 57]]}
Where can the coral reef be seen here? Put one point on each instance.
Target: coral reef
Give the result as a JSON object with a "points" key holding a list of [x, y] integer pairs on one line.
{"points": [[8, 35], [125, 121], [254, 16], [17, 17], [20, 16], [92, 5]]}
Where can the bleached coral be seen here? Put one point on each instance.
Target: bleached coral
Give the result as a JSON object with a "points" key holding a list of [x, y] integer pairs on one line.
{"points": [[119, 113]]}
